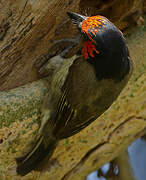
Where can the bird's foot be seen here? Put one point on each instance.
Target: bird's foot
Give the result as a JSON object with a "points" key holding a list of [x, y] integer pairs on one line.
{"points": [[61, 49]]}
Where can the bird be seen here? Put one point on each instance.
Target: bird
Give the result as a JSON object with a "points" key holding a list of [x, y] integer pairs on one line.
{"points": [[82, 87]]}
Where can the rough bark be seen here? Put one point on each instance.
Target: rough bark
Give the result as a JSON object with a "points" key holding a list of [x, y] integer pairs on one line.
{"points": [[27, 30]]}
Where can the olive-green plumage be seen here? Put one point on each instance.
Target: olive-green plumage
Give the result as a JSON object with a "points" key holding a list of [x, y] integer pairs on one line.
{"points": [[79, 92]]}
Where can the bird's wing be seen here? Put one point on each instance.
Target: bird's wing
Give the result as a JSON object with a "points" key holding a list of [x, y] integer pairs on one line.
{"points": [[67, 120]]}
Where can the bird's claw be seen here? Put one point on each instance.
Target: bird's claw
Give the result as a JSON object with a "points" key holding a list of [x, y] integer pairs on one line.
{"points": [[41, 60], [40, 64], [60, 47]]}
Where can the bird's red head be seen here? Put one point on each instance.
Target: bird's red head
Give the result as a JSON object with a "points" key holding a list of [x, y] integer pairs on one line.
{"points": [[91, 28], [93, 25], [103, 45]]}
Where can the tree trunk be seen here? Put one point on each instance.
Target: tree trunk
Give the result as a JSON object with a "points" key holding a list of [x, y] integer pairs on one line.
{"points": [[27, 29]]}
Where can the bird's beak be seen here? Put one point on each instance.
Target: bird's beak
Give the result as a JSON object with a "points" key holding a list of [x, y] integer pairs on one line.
{"points": [[77, 18]]}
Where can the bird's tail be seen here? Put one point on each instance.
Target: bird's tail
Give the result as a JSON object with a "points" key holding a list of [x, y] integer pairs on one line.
{"points": [[33, 159]]}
